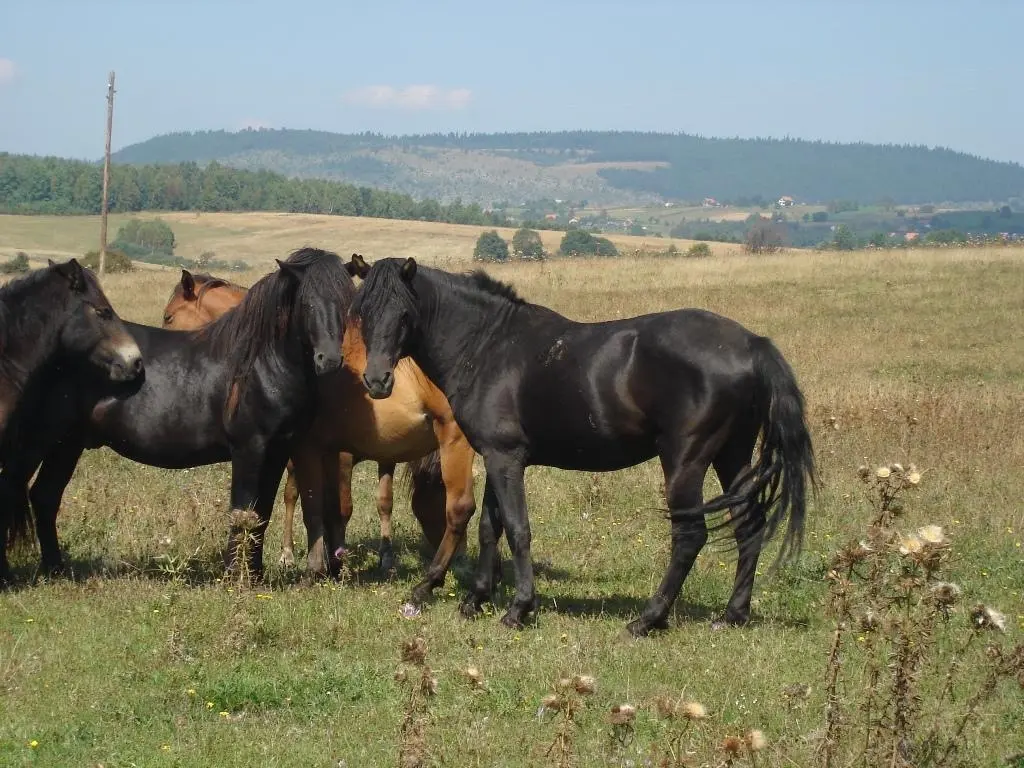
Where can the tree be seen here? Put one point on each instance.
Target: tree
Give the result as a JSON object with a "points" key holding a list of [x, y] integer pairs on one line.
{"points": [[698, 251], [490, 246], [527, 245], [819, 216], [764, 237], [843, 239]]}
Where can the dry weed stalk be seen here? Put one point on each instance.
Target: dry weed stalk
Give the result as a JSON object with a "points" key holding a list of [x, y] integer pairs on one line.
{"points": [[886, 590], [567, 697], [247, 523], [422, 686]]}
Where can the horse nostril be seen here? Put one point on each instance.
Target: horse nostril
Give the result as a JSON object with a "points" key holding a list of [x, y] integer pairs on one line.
{"points": [[137, 365], [388, 376]]}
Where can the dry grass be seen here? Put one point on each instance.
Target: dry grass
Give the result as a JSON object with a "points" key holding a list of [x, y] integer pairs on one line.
{"points": [[258, 238], [903, 357]]}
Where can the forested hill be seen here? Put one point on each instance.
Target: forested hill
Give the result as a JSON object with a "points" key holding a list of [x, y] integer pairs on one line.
{"points": [[602, 167]]}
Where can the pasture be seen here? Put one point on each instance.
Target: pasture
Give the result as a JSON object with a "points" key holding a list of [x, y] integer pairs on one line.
{"points": [[258, 238], [147, 657]]}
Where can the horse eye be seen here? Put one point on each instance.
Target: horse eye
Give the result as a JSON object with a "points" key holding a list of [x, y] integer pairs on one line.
{"points": [[104, 313], [168, 319]]}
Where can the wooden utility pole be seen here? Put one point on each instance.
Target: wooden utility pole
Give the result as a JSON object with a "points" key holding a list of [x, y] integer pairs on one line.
{"points": [[106, 176]]}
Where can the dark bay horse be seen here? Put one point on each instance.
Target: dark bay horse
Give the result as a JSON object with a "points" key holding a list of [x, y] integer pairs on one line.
{"points": [[416, 425], [199, 299], [528, 386], [238, 390], [53, 318]]}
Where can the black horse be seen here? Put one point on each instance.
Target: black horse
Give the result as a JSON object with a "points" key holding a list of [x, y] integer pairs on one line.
{"points": [[53, 318], [529, 386], [236, 390]]}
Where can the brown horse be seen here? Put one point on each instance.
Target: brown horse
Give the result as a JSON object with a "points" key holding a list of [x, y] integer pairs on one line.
{"points": [[407, 427]]}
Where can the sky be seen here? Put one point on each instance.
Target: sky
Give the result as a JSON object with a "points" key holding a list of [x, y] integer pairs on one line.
{"points": [[939, 73]]}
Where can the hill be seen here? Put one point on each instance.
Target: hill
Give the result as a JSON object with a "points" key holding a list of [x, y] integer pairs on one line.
{"points": [[603, 168]]}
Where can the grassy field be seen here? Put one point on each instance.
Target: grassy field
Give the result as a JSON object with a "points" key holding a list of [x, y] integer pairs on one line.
{"points": [[147, 658], [257, 238]]}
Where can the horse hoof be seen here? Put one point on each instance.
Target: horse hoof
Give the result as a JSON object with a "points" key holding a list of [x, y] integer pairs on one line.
{"points": [[387, 562], [725, 623], [421, 595], [512, 622], [637, 629], [287, 559]]}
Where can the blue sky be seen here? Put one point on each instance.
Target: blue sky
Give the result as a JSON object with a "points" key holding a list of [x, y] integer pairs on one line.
{"points": [[936, 73]]}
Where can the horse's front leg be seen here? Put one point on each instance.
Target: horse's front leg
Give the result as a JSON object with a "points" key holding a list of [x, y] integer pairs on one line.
{"points": [[505, 476], [309, 474], [249, 518]]}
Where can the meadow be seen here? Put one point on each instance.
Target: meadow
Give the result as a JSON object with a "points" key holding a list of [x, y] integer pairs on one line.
{"points": [[147, 657]]}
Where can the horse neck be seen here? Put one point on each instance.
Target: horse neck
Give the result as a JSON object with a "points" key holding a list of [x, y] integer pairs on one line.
{"points": [[458, 334], [23, 355]]}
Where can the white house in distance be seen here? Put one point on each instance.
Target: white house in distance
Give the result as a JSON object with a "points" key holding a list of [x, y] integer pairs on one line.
{"points": [[785, 202]]}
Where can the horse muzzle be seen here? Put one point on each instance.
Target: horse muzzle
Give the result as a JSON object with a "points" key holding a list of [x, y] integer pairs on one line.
{"points": [[127, 364], [379, 387], [325, 362]]}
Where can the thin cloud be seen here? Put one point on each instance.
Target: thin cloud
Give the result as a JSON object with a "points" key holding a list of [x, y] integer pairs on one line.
{"points": [[410, 97], [6, 71]]}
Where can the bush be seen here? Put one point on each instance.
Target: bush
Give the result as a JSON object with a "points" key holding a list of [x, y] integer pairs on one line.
{"points": [[152, 235], [117, 261], [843, 239], [527, 245], [490, 246], [16, 266], [819, 216], [699, 251], [580, 243]]}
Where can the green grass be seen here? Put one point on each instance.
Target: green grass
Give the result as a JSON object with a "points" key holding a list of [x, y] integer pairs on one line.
{"points": [[903, 358]]}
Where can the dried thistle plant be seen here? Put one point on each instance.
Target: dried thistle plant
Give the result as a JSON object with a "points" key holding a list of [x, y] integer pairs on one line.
{"points": [[565, 700], [886, 591], [421, 684]]}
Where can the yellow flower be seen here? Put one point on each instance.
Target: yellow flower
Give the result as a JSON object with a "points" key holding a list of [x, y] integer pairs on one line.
{"points": [[209, 705], [191, 691], [224, 714], [165, 747], [33, 744]]}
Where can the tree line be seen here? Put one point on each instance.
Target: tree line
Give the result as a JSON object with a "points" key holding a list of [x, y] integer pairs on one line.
{"points": [[51, 185]]}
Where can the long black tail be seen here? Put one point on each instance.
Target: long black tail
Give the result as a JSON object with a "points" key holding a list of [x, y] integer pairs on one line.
{"points": [[423, 471], [777, 483]]}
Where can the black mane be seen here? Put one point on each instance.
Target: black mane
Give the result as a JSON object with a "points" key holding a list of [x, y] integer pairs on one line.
{"points": [[480, 279], [262, 319], [30, 317], [382, 286]]}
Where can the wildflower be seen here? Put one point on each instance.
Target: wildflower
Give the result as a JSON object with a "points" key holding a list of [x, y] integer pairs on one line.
{"points": [[984, 617], [665, 707], [563, 684], [551, 702], [209, 705], [165, 747], [694, 710], [191, 691], [222, 713], [584, 684], [414, 651], [913, 477], [756, 741], [33, 744], [944, 593], [622, 714], [475, 678], [932, 535], [911, 545], [896, 467], [882, 473]]}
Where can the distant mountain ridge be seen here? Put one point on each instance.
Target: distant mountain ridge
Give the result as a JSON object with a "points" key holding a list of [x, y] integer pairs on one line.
{"points": [[603, 167]]}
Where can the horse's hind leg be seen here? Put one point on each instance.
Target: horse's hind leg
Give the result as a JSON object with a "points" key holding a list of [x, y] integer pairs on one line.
{"points": [[385, 505], [488, 569], [291, 497], [748, 526], [685, 467]]}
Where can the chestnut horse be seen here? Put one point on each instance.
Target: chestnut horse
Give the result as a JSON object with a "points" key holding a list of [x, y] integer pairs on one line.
{"points": [[409, 427]]}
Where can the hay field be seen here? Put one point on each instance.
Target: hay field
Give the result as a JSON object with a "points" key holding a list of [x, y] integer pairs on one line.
{"points": [[258, 238], [147, 658]]}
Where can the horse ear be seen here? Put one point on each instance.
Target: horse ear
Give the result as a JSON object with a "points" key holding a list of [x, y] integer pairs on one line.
{"points": [[409, 269], [188, 285], [292, 271], [72, 271], [358, 266], [51, 263]]}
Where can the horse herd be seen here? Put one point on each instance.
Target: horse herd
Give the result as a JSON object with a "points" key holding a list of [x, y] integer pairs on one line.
{"points": [[306, 372]]}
